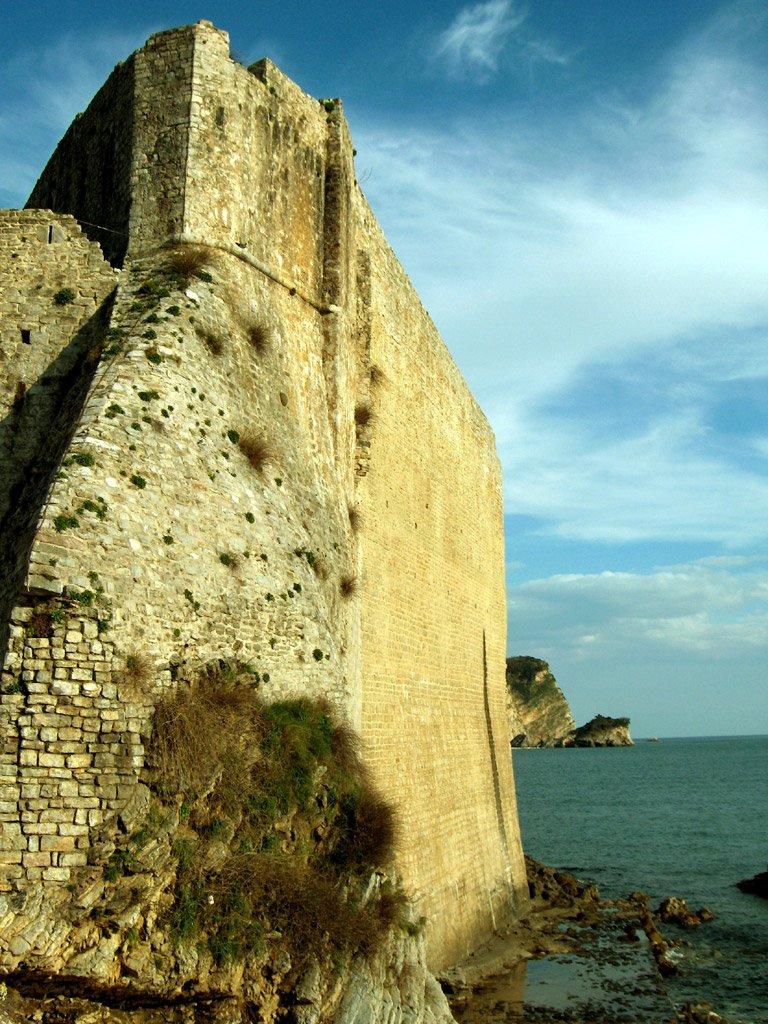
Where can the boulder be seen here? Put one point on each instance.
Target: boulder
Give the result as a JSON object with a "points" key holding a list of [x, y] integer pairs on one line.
{"points": [[674, 910], [757, 885]]}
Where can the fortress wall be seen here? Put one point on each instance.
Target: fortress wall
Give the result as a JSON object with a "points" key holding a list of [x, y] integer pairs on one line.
{"points": [[157, 424], [134, 577], [127, 562], [89, 174], [45, 365], [40, 254], [434, 622]]}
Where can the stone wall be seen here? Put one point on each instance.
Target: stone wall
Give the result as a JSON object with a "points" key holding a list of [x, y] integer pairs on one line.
{"points": [[359, 559], [90, 175], [434, 618], [55, 294]]}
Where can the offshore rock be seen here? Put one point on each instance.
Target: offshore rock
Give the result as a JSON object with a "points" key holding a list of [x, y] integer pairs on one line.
{"points": [[756, 886], [601, 731], [674, 910]]}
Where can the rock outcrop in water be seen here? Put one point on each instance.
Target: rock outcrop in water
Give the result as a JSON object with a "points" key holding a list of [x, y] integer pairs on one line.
{"points": [[757, 886], [601, 731], [540, 716]]}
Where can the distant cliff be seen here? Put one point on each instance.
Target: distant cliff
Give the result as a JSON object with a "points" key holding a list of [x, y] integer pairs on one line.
{"points": [[538, 711], [539, 715]]}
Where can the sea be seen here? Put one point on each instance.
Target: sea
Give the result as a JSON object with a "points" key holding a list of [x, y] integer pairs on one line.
{"points": [[675, 817]]}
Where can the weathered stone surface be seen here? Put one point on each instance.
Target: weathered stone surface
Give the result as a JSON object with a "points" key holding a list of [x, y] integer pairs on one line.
{"points": [[359, 558], [538, 710]]}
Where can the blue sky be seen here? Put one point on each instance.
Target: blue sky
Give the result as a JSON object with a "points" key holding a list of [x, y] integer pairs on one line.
{"points": [[580, 194]]}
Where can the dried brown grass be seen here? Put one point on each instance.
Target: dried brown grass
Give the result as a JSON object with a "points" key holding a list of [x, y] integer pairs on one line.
{"points": [[207, 732], [186, 261], [137, 674], [259, 337], [257, 450], [348, 586], [363, 415]]}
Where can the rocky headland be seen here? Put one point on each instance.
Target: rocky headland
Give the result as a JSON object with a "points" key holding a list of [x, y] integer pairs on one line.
{"points": [[540, 716], [538, 710]]}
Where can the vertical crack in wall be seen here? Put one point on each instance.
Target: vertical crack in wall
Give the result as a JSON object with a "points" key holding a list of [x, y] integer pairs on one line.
{"points": [[495, 769]]}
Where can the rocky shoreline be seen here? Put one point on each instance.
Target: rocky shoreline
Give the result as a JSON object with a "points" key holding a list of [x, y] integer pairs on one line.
{"points": [[577, 958]]}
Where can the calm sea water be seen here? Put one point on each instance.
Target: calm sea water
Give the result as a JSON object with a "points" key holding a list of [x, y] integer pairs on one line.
{"points": [[682, 817]]}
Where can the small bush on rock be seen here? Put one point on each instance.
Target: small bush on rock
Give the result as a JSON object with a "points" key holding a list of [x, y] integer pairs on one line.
{"points": [[297, 828]]}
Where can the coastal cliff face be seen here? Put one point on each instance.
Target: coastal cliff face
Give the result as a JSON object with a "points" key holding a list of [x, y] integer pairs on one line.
{"points": [[213, 446], [539, 715], [538, 710]]}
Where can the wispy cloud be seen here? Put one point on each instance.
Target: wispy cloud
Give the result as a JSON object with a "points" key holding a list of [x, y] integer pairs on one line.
{"points": [[577, 263], [42, 91], [477, 35]]}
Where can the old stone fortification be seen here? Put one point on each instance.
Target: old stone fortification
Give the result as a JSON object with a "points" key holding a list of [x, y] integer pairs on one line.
{"points": [[357, 555]]}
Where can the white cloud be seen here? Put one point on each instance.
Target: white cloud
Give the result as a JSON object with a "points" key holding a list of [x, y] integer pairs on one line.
{"points": [[699, 608], [546, 248], [478, 34]]}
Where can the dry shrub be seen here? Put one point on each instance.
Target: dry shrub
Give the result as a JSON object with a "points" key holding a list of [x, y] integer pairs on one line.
{"points": [[355, 518], [348, 586], [40, 623], [256, 449], [393, 906], [376, 376], [259, 337], [371, 834], [207, 731], [187, 261], [137, 674], [212, 342], [346, 749], [300, 841], [308, 908], [363, 415]]}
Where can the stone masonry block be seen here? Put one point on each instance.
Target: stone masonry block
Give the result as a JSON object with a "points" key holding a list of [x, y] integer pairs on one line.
{"points": [[57, 843]]}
